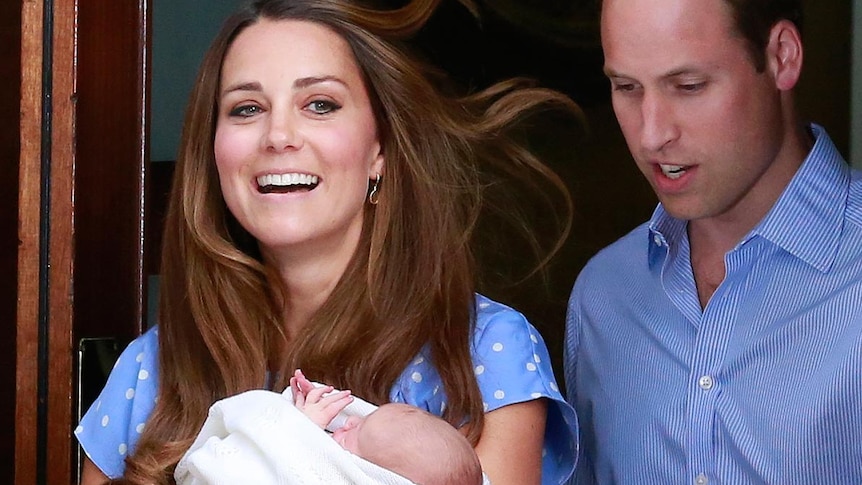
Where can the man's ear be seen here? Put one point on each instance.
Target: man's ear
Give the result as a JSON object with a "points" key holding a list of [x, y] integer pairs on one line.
{"points": [[784, 54]]}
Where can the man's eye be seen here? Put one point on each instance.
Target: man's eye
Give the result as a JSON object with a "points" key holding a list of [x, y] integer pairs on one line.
{"points": [[691, 87], [624, 87], [322, 107], [245, 111]]}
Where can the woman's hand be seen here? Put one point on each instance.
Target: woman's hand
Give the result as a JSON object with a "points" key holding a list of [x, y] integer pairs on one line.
{"points": [[510, 448]]}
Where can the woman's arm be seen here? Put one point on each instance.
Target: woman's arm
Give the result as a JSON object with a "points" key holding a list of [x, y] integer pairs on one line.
{"points": [[91, 475], [510, 448]]}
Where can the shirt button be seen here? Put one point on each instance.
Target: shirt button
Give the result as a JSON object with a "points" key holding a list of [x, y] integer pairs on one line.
{"points": [[701, 479], [657, 240], [705, 383]]}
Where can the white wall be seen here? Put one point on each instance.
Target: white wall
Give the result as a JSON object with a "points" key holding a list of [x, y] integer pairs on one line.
{"points": [[856, 88]]}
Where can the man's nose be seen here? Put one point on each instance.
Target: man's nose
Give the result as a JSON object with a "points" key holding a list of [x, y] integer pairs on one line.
{"points": [[658, 125]]}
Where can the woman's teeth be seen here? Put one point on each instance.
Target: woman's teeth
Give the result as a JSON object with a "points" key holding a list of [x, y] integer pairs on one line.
{"points": [[286, 182], [286, 179], [672, 171]]}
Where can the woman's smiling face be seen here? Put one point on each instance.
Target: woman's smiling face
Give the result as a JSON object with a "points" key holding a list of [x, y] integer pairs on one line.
{"points": [[296, 139]]}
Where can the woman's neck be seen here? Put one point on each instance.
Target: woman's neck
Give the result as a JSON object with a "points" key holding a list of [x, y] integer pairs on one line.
{"points": [[307, 284]]}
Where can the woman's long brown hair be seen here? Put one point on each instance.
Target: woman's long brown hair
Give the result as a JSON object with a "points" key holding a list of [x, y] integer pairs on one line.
{"points": [[411, 282]]}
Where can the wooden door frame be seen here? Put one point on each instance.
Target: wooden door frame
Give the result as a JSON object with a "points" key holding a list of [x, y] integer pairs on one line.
{"points": [[44, 321], [61, 112]]}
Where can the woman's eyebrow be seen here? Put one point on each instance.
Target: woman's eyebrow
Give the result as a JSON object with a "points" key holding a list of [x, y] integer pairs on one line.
{"points": [[244, 86]]}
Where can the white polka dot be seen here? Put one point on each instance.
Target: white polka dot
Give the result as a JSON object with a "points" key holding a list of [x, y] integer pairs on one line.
{"points": [[105, 420], [484, 305], [485, 406], [418, 360], [143, 375], [122, 448], [436, 390], [417, 377], [480, 369], [79, 429], [140, 428], [536, 395], [156, 400], [537, 358], [499, 394], [554, 387], [534, 339], [139, 358], [130, 393], [531, 367], [497, 347], [442, 407]]}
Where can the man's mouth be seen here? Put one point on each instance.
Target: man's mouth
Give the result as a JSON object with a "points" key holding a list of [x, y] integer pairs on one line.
{"points": [[672, 172], [286, 182]]}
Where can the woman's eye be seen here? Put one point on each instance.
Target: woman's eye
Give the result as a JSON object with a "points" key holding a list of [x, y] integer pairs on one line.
{"points": [[245, 111], [322, 106]]}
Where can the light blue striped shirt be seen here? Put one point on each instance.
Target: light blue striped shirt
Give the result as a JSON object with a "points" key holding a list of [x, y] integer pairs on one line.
{"points": [[762, 386]]}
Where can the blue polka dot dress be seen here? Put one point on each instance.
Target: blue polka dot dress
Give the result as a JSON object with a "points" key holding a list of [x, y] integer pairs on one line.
{"points": [[511, 364]]}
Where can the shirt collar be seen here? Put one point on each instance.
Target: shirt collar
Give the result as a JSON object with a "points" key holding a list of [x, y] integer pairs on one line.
{"points": [[808, 217]]}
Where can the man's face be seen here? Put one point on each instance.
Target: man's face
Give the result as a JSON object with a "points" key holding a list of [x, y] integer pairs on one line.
{"points": [[704, 127]]}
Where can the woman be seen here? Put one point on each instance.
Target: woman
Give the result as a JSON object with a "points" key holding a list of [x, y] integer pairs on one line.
{"points": [[321, 218]]}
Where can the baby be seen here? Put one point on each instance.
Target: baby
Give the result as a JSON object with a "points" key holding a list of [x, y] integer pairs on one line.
{"points": [[401, 438]]}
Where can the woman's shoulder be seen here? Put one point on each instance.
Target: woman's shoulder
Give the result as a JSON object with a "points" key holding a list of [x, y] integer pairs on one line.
{"points": [[497, 324], [511, 359], [112, 425]]}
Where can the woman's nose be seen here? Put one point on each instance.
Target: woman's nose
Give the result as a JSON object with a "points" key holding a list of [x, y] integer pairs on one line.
{"points": [[282, 133]]}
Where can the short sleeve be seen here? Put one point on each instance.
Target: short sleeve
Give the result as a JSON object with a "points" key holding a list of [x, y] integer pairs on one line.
{"points": [[512, 365], [110, 429]]}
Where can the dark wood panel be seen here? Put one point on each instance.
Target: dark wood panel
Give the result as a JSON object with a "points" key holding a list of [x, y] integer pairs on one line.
{"points": [[109, 169], [10, 95]]}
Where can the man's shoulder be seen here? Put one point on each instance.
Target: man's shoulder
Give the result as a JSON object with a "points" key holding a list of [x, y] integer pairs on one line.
{"points": [[854, 199], [628, 249], [624, 258]]}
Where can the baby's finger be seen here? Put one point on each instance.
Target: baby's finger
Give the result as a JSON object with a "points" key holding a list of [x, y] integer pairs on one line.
{"points": [[315, 394], [336, 401], [303, 382]]}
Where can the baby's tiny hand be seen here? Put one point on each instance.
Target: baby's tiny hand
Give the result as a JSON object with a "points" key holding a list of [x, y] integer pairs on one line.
{"points": [[320, 404]]}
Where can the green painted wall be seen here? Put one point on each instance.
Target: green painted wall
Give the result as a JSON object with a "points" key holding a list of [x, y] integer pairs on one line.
{"points": [[182, 31]]}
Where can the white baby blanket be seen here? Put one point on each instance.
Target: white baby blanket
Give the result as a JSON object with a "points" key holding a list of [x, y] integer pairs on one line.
{"points": [[260, 438]]}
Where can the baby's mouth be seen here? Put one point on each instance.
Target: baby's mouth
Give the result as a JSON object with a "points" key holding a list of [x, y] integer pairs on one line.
{"points": [[672, 172], [274, 183]]}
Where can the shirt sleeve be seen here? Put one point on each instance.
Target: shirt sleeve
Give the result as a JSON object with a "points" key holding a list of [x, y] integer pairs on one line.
{"points": [[512, 366], [111, 427]]}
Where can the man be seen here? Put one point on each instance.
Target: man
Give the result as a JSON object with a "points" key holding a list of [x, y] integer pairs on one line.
{"points": [[721, 342]]}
